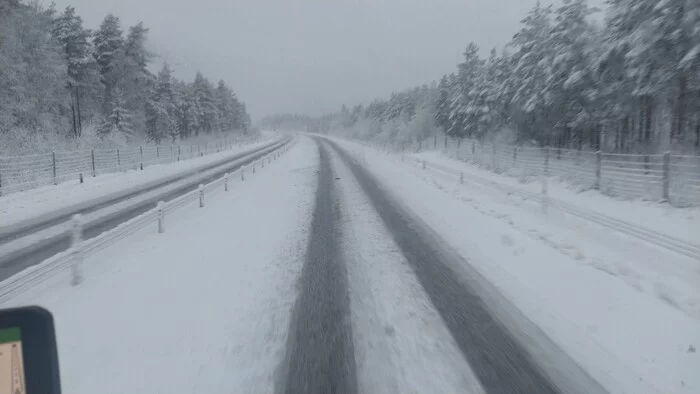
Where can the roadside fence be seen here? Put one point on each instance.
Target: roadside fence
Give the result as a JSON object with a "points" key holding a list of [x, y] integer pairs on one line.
{"points": [[662, 177], [80, 250], [18, 173]]}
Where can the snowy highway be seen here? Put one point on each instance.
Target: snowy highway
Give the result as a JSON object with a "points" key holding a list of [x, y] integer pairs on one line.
{"points": [[339, 269], [28, 243]]}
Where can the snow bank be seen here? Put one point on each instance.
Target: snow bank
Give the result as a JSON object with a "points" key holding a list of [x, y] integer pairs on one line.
{"points": [[683, 223]]}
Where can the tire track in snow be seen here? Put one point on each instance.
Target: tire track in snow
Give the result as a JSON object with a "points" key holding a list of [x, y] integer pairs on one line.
{"points": [[320, 353], [498, 360]]}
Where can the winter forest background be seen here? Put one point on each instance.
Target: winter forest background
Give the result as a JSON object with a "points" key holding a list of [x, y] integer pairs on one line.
{"points": [[626, 79], [62, 85]]}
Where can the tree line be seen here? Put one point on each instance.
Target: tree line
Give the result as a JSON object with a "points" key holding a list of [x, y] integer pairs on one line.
{"points": [[56, 76], [626, 82]]}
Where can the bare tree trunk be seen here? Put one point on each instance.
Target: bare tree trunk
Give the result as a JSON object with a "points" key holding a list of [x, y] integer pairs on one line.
{"points": [[640, 132], [647, 121], [72, 110], [79, 115], [680, 109]]}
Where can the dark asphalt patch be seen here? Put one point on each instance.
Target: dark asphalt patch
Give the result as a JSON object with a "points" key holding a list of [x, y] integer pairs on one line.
{"points": [[499, 362], [320, 353]]}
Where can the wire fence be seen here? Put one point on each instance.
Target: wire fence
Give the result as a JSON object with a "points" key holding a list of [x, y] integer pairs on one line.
{"points": [[662, 177], [18, 173], [80, 249]]}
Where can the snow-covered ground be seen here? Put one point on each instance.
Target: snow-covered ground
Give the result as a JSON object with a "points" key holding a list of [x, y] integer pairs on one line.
{"points": [[629, 313], [683, 223], [16, 207], [204, 307]]}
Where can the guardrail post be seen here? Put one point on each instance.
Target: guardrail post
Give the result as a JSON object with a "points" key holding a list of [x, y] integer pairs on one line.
{"points": [[226, 182], [92, 154], [435, 142], [53, 156], [201, 195], [242, 173], [119, 161], [445, 143], [667, 176], [515, 155], [262, 163], [253, 164], [178, 153], [80, 176], [545, 169], [161, 217], [171, 153], [598, 167], [473, 149], [424, 164], [141, 156], [157, 151], [76, 250]]}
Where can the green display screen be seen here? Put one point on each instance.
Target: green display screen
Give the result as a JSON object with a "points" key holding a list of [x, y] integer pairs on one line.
{"points": [[12, 334]]}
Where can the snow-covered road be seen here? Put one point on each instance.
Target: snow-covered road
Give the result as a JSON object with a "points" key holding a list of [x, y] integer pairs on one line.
{"points": [[340, 269]]}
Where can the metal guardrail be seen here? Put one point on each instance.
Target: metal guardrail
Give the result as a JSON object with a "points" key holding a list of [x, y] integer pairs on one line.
{"points": [[659, 239], [80, 250], [18, 173], [664, 177]]}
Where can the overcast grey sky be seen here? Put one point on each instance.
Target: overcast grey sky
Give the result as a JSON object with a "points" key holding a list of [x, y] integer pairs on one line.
{"points": [[312, 56]]}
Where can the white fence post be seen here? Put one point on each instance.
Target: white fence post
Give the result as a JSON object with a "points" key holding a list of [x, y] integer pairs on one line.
{"points": [[92, 154], [545, 175], [161, 217], [201, 195], [76, 250], [667, 176], [53, 155], [598, 167], [226, 182]]}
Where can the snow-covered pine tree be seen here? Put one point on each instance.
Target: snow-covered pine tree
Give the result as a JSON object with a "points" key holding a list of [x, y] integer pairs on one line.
{"points": [[532, 69], [161, 111], [206, 108], [118, 123], [75, 40], [109, 44]]}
